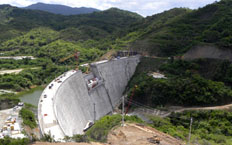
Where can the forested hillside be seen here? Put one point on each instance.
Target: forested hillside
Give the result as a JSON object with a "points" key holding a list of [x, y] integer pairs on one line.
{"points": [[169, 33], [176, 31], [203, 82], [50, 38], [14, 20]]}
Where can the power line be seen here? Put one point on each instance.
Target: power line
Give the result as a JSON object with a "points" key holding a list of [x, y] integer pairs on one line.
{"points": [[147, 107]]}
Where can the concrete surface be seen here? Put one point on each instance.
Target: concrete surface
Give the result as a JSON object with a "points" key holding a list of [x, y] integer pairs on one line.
{"points": [[70, 105], [46, 114], [14, 114]]}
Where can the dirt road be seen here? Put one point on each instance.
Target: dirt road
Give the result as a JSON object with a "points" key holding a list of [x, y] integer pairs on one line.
{"points": [[16, 71], [134, 134], [131, 134]]}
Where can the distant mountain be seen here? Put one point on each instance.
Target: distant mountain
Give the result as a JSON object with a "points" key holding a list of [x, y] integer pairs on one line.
{"points": [[61, 9], [17, 21]]}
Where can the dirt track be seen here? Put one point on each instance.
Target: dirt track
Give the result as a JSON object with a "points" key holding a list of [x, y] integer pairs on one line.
{"points": [[178, 109], [16, 71], [131, 134]]}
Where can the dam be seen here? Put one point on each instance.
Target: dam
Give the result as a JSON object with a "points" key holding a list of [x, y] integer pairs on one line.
{"points": [[74, 99]]}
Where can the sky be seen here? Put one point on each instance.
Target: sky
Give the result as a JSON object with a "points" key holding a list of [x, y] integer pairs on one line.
{"points": [[142, 7]]}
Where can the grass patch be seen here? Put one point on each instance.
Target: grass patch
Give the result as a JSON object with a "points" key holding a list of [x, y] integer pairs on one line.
{"points": [[10, 141], [99, 131], [213, 131], [10, 99], [28, 117]]}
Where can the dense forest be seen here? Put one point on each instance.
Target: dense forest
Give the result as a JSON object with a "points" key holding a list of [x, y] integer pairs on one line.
{"points": [[208, 127], [201, 82], [114, 28], [175, 31]]}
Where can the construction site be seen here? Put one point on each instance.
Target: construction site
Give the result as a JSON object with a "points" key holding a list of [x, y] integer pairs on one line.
{"points": [[10, 123], [72, 102]]}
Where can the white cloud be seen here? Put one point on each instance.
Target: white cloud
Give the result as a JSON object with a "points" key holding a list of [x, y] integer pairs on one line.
{"points": [[143, 7]]}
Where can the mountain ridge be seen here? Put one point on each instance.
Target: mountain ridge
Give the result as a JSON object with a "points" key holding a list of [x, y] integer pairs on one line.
{"points": [[61, 9]]}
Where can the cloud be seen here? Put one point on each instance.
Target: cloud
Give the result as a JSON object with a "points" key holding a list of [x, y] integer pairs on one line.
{"points": [[143, 7]]}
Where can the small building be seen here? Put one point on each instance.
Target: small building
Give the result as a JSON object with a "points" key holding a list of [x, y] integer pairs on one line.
{"points": [[157, 75]]}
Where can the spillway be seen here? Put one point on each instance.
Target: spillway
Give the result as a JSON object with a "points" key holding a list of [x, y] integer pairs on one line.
{"points": [[73, 99]]}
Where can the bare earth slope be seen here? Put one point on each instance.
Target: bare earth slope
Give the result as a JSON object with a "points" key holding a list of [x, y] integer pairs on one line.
{"points": [[131, 134], [208, 51]]}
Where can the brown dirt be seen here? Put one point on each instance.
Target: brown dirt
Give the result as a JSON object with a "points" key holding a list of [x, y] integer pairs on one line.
{"points": [[131, 134], [70, 143], [134, 134], [32, 132], [208, 51]]}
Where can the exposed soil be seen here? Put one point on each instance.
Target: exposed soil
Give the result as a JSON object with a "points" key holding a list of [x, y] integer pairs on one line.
{"points": [[131, 134], [69, 143], [134, 134], [208, 51]]}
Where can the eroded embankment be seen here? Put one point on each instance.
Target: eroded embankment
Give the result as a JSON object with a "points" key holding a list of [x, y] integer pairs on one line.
{"points": [[208, 51]]}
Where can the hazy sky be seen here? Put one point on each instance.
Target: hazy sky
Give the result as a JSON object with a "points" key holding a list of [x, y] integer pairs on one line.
{"points": [[143, 7]]}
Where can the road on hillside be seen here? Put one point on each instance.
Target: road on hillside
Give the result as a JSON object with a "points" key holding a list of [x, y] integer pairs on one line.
{"points": [[15, 71]]}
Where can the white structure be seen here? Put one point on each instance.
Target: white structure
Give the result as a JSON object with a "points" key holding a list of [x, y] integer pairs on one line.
{"points": [[67, 105]]}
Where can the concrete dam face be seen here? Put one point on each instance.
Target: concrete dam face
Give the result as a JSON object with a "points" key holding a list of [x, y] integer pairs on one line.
{"points": [[74, 99]]}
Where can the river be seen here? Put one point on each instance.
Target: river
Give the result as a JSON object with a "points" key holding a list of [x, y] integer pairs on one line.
{"points": [[32, 96]]}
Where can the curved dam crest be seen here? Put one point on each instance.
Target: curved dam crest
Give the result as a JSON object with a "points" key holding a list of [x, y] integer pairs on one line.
{"points": [[75, 102]]}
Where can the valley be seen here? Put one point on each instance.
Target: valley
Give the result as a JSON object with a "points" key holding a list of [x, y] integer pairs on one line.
{"points": [[189, 49]]}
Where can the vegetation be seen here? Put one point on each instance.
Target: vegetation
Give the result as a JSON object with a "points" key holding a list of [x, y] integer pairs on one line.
{"points": [[175, 31], [202, 82], [209, 127], [117, 29], [99, 131], [51, 38], [217, 70], [28, 117], [184, 91], [10, 141], [8, 101], [47, 138], [6, 64], [30, 77]]}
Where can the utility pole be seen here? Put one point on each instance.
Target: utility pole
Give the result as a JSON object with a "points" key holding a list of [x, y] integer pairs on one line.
{"points": [[190, 129], [123, 110], [94, 113]]}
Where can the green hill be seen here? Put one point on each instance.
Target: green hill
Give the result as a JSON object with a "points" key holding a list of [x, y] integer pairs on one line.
{"points": [[176, 31], [105, 22]]}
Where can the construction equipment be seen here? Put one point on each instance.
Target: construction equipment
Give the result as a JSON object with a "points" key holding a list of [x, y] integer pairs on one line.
{"points": [[155, 140], [131, 97], [76, 55], [109, 55]]}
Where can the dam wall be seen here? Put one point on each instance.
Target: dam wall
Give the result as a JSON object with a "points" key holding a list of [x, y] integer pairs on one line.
{"points": [[76, 102], [73, 104], [116, 74]]}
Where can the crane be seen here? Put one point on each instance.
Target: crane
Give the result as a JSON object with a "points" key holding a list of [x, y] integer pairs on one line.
{"points": [[76, 55]]}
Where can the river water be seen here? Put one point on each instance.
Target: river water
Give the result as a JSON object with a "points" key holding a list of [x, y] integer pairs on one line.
{"points": [[32, 97]]}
